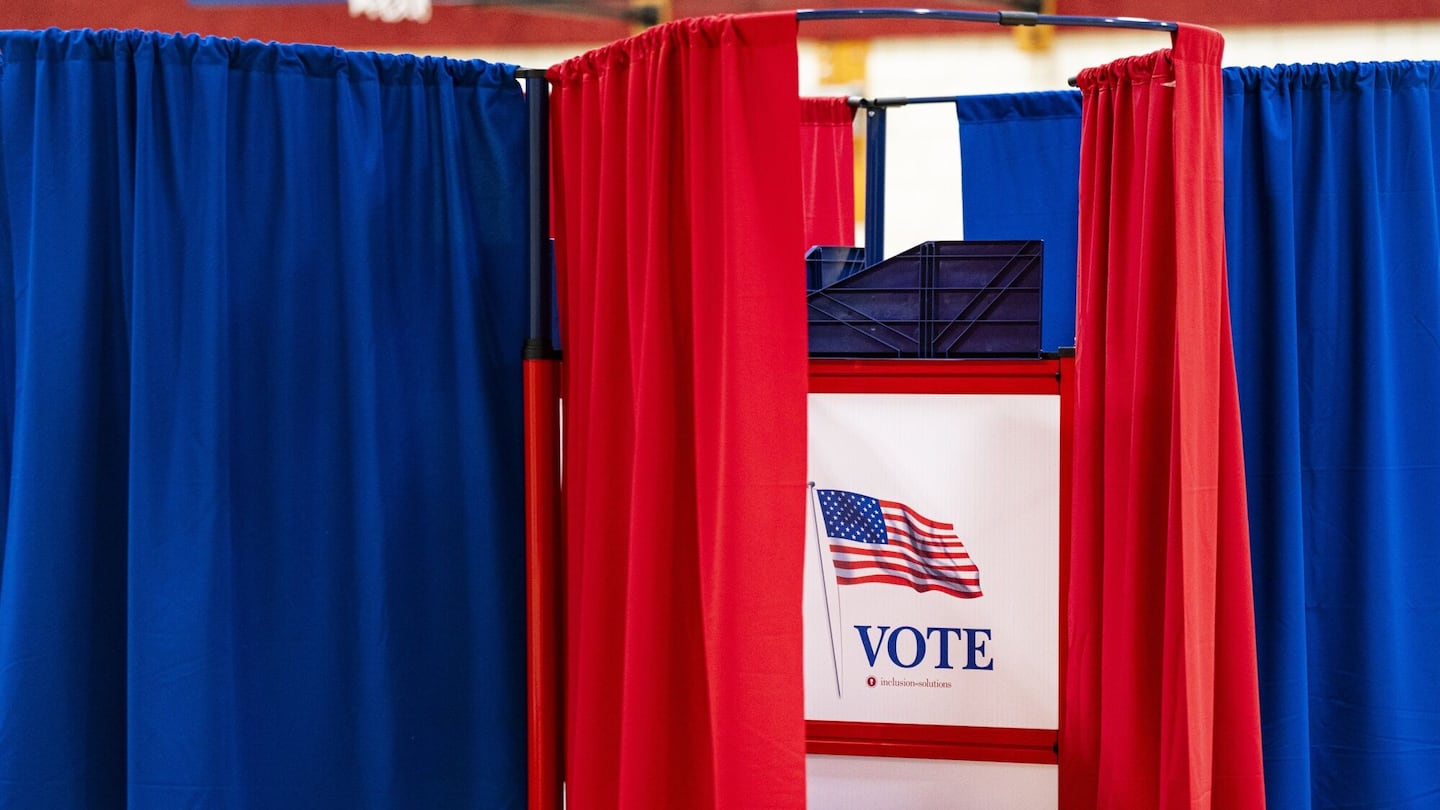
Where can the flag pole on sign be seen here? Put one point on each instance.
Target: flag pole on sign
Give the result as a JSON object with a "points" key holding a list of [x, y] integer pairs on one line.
{"points": [[825, 585]]}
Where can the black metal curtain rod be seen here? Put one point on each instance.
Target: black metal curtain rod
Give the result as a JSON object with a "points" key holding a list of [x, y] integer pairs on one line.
{"points": [[862, 103], [995, 17], [640, 14]]}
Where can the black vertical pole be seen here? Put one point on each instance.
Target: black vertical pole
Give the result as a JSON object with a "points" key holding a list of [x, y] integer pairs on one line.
{"points": [[874, 185], [537, 96], [543, 554]]}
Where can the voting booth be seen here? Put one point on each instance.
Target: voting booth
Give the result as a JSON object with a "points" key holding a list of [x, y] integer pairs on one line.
{"points": [[938, 437], [926, 665]]}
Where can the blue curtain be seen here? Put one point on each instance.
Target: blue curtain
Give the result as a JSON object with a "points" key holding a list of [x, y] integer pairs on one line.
{"points": [[260, 320], [1020, 179], [1334, 253]]}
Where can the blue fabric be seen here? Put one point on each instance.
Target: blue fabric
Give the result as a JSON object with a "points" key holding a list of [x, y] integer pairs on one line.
{"points": [[261, 310], [1020, 179], [1334, 254]]}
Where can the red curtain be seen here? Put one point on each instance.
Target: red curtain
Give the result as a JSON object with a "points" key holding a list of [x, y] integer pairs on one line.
{"points": [[827, 170], [1161, 703], [678, 226]]}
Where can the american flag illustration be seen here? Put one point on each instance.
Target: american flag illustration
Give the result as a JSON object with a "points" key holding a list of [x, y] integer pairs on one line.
{"points": [[885, 541]]}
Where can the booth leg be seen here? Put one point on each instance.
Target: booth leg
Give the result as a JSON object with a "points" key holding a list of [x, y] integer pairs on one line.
{"points": [[542, 582]]}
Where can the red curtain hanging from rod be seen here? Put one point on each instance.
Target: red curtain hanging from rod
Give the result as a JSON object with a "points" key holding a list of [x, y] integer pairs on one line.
{"points": [[677, 217], [1162, 708], [827, 170]]}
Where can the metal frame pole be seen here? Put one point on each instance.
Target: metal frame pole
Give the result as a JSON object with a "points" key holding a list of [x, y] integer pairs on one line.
{"points": [[874, 185], [543, 560]]}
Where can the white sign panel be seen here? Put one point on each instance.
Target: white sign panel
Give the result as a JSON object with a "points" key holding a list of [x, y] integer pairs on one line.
{"points": [[870, 783], [932, 559]]}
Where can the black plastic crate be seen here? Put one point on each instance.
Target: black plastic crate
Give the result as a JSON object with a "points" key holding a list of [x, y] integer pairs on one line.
{"points": [[937, 299], [827, 264]]}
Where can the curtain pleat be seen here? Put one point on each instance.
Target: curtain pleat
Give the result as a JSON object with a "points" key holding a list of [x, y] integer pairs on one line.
{"points": [[827, 170], [679, 231], [260, 375], [1334, 243], [1160, 698]]}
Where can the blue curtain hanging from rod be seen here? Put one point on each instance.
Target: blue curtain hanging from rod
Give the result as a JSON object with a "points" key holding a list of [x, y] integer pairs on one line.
{"points": [[1020, 179], [261, 309], [1333, 238]]}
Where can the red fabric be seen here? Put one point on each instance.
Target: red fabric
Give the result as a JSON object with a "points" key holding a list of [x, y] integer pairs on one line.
{"points": [[827, 170], [677, 211], [1161, 702]]}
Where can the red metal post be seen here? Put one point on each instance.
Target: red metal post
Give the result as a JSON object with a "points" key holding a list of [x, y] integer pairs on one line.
{"points": [[1067, 458], [542, 581]]}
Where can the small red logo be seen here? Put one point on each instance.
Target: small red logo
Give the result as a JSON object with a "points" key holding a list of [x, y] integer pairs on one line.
{"points": [[870, 681]]}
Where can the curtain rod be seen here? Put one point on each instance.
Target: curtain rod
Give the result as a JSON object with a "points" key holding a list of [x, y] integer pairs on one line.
{"points": [[646, 14], [862, 103], [998, 17]]}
